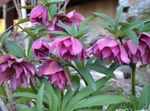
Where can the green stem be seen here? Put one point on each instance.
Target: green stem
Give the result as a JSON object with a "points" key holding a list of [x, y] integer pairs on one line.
{"points": [[133, 67]]}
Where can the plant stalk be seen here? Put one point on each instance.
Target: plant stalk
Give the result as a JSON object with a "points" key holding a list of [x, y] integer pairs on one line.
{"points": [[133, 81]]}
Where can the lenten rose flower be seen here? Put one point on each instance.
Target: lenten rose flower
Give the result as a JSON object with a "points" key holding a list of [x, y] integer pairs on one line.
{"points": [[56, 74], [39, 14], [144, 47], [18, 71], [68, 48], [69, 19], [140, 52], [40, 48], [111, 49]]}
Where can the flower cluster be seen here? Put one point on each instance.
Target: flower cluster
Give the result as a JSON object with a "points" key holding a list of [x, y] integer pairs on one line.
{"points": [[68, 49]]}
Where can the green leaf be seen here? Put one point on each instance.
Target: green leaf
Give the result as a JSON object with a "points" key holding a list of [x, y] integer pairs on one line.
{"points": [[67, 28], [135, 102], [22, 21], [100, 100], [3, 92], [3, 37], [39, 99], [22, 107], [69, 94], [145, 97], [29, 32], [105, 18], [54, 2], [52, 11], [146, 27], [24, 95], [56, 33], [133, 25], [15, 49], [85, 73], [132, 35], [86, 21], [84, 93], [54, 103], [117, 18]]}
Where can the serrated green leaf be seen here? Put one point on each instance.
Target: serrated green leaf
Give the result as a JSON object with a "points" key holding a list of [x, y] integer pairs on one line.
{"points": [[15, 49]]}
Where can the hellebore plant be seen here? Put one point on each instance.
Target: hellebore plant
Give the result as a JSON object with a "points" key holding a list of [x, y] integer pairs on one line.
{"points": [[54, 70]]}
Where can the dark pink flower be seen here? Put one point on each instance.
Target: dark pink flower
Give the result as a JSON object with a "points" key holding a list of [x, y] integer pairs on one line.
{"points": [[56, 74], [40, 48], [75, 17], [109, 48], [39, 14], [144, 47], [72, 17], [68, 48], [18, 71], [140, 52]]}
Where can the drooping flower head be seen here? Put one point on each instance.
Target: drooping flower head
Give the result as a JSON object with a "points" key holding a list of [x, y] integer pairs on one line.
{"points": [[56, 74], [40, 48], [69, 19], [18, 71], [140, 52], [39, 14], [111, 49], [68, 48]]}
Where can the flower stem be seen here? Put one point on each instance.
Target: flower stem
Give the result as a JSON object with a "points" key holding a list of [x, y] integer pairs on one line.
{"points": [[133, 67]]}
